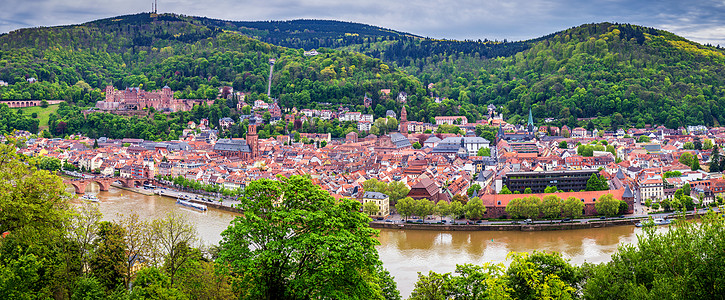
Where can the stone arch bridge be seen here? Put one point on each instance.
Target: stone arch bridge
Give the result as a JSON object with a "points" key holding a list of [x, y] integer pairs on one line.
{"points": [[80, 184]]}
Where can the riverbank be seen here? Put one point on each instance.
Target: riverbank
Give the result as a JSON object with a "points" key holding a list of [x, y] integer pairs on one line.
{"points": [[216, 205], [135, 190], [519, 227]]}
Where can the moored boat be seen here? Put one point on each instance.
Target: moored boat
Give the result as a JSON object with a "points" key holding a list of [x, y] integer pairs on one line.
{"points": [[656, 221], [201, 207], [89, 197]]}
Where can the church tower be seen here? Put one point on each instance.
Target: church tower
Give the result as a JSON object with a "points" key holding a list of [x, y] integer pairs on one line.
{"points": [[403, 126], [252, 140]]}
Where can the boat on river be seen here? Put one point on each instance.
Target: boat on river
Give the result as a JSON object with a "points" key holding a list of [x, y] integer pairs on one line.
{"points": [[201, 207], [656, 221], [90, 197]]}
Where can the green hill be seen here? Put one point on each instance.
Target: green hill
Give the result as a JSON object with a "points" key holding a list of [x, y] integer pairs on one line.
{"points": [[619, 74]]}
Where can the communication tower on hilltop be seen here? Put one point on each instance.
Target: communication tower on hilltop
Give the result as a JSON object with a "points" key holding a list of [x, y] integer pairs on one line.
{"points": [[269, 81]]}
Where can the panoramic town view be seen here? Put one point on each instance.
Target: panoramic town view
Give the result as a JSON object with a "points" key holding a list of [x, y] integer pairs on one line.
{"points": [[189, 153]]}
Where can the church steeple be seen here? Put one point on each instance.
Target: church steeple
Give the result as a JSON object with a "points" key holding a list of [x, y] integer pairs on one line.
{"points": [[403, 115], [530, 125], [403, 126]]}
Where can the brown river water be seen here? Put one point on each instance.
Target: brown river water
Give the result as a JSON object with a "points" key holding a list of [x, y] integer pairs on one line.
{"points": [[403, 252]]}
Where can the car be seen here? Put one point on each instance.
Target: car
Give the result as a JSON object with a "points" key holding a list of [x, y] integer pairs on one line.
{"points": [[528, 221], [443, 221], [621, 217], [389, 221], [379, 218], [479, 222], [419, 221], [602, 218], [566, 220]]}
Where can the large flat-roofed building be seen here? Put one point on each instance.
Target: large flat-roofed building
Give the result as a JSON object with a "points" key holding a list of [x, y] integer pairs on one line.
{"points": [[567, 180]]}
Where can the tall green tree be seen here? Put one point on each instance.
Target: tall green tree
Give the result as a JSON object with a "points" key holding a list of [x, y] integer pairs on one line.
{"points": [[295, 241], [607, 205], [573, 207], [109, 257]]}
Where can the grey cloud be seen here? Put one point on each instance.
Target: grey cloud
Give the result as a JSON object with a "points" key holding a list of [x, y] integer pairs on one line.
{"points": [[702, 21]]}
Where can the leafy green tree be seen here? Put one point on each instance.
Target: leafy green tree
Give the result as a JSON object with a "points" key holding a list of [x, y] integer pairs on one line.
{"points": [[475, 187], [475, 209], [424, 207], [173, 235], [515, 208], [695, 164], [527, 191], [151, 283], [505, 190], [36, 258], [563, 145], [456, 209], [406, 207], [484, 152], [552, 206], [687, 158], [443, 209], [572, 207], [542, 275], [88, 288], [283, 248], [643, 139], [49, 163], [715, 159], [370, 208], [607, 205], [641, 271], [109, 257], [417, 145], [433, 286], [595, 183], [551, 189]]}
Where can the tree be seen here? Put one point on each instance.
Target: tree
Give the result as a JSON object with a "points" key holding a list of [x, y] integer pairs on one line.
{"points": [[689, 146], [572, 207], [563, 145], [109, 257], [173, 235], [83, 230], [370, 208], [474, 188], [707, 144], [417, 145], [460, 198], [475, 209], [527, 190], [715, 159], [643, 139], [686, 189], [137, 241], [541, 275], [607, 205], [406, 207], [484, 152], [443, 209], [49, 163], [505, 190], [456, 210], [686, 158], [595, 183], [695, 164], [434, 286], [37, 259], [641, 271], [550, 189], [283, 248], [424, 207], [552, 206], [515, 208]]}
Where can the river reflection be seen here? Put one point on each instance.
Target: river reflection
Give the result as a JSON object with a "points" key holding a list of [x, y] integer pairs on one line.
{"points": [[404, 253]]}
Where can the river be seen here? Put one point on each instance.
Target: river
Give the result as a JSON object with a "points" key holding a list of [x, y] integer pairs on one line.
{"points": [[403, 252]]}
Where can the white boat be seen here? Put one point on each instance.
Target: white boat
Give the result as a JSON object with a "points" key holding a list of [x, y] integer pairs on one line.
{"points": [[201, 207], [656, 221], [90, 197]]}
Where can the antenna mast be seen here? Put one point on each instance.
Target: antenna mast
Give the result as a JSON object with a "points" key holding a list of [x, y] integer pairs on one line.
{"points": [[156, 6]]}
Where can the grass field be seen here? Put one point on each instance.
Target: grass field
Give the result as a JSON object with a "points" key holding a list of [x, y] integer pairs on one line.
{"points": [[43, 113]]}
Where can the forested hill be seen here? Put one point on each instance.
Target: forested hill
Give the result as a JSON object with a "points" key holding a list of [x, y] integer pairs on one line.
{"points": [[191, 55], [627, 75]]}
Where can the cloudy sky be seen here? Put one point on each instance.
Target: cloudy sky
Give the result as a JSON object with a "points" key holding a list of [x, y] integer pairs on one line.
{"points": [[699, 20]]}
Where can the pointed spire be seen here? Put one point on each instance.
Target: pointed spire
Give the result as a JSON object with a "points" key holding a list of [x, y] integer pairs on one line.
{"points": [[531, 118]]}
